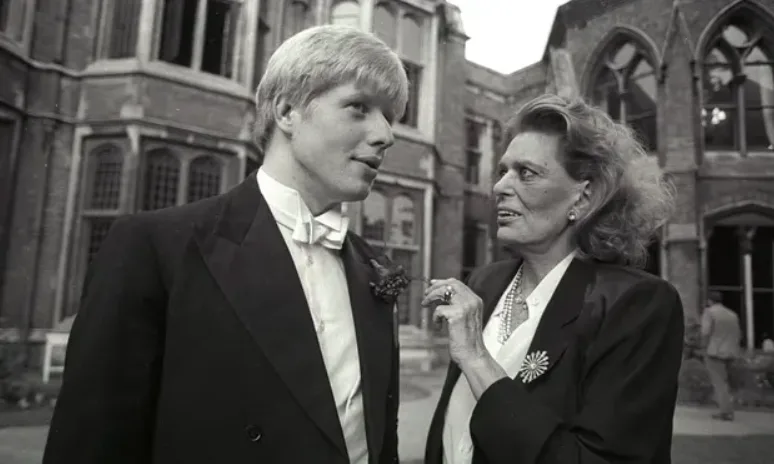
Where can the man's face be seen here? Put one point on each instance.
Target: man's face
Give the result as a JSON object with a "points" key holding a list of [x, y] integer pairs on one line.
{"points": [[339, 142]]}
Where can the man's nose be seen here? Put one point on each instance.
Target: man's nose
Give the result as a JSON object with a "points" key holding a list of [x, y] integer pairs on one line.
{"points": [[380, 131]]}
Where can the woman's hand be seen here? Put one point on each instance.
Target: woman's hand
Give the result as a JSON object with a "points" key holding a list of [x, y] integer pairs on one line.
{"points": [[462, 309]]}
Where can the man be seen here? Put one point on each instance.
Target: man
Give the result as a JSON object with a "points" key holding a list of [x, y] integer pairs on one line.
{"points": [[721, 337], [242, 328]]}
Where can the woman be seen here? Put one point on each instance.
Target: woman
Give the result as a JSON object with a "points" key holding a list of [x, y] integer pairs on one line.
{"points": [[568, 354]]}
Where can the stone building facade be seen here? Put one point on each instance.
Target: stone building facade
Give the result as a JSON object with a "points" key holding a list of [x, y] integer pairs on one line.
{"points": [[110, 107], [114, 106]]}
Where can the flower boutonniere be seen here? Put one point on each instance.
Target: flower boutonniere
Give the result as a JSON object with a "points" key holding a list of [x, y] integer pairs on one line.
{"points": [[391, 280]]}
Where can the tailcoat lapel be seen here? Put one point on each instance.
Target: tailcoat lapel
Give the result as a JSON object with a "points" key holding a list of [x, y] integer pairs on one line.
{"points": [[246, 254], [373, 320], [554, 330]]}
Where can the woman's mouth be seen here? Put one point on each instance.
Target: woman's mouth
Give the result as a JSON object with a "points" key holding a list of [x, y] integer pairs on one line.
{"points": [[506, 215]]}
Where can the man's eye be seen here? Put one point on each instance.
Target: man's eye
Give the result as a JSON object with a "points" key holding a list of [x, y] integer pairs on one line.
{"points": [[359, 107]]}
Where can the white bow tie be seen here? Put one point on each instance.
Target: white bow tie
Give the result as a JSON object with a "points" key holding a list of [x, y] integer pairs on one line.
{"points": [[314, 231]]}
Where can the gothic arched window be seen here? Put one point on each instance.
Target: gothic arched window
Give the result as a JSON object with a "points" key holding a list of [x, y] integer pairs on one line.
{"points": [[738, 87], [625, 86]]}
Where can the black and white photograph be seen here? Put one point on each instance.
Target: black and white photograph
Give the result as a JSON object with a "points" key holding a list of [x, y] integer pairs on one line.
{"points": [[386, 231]]}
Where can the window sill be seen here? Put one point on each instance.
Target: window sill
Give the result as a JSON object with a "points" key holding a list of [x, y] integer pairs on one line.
{"points": [[734, 153], [720, 154], [14, 46], [411, 133], [171, 72]]}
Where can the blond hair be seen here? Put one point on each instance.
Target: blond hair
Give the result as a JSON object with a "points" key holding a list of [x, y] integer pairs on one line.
{"points": [[320, 58]]}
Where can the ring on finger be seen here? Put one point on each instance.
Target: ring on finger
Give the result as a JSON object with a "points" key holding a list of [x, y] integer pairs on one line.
{"points": [[447, 295]]}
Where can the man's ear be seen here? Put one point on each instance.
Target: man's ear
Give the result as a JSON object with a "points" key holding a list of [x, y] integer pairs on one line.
{"points": [[284, 115]]}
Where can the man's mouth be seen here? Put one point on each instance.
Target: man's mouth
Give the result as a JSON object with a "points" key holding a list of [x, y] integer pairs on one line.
{"points": [[372, 162]]}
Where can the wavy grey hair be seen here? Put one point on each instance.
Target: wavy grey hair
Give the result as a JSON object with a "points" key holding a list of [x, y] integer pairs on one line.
{"points": [[320, 58], [630, 197]]}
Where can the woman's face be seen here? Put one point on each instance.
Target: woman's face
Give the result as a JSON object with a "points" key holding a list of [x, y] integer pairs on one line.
{"points": [[535, 194]]}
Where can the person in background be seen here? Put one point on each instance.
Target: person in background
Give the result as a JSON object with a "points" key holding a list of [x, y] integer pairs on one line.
{"points": [[721, 339], [768, 344]]}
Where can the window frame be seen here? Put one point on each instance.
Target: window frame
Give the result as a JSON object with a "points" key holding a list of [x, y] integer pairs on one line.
{"points": [[21, 13], [335, 3], [79, 251], [185, 155], [414, 108], [308, 20], [107, 25], [413, 118], [130, 195], [761, 35], [624, 75], [478, 150], [481, 239], [6, 210], [390, 192], [199, 37]]}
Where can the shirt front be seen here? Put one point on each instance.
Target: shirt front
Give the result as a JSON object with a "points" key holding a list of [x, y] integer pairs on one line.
{"points": [[323, 279], [457, 443]]}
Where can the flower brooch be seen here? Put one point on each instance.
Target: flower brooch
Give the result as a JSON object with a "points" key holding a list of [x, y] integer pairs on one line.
{"points": [[534, 365], [392, 279]]}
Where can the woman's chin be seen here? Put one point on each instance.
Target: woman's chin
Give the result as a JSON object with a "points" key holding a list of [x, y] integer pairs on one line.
{"points": [[508, 236]]}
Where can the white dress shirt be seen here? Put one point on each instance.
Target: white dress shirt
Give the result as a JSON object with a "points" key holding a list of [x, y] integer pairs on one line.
{"points": [[457, 443], [324, 281]]}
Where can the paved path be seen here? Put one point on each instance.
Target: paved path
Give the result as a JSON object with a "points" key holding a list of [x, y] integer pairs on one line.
{"points": [[698, 439]]}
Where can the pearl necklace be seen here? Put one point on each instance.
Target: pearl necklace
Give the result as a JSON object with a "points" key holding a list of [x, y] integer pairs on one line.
{"points": [[513, 297]]}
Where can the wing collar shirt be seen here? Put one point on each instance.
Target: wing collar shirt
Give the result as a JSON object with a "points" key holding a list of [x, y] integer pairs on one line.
{"points": [[457, 443], [314, 244]]}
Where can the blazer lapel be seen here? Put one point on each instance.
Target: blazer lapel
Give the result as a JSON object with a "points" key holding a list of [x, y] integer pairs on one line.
{"points": [[247, 255], [373, 320], [552, 335]]}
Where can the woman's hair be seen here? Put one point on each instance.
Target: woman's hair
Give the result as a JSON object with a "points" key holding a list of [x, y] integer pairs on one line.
{"points": [[630, 197], [320, 58]]}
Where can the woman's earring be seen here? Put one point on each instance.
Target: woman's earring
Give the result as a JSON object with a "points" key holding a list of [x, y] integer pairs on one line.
{"points": [[571, 216]]}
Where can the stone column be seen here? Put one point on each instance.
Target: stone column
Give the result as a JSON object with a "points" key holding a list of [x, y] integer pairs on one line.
{"points": [[145, 30], [678, 151], [746, 235], [367, 14]]}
